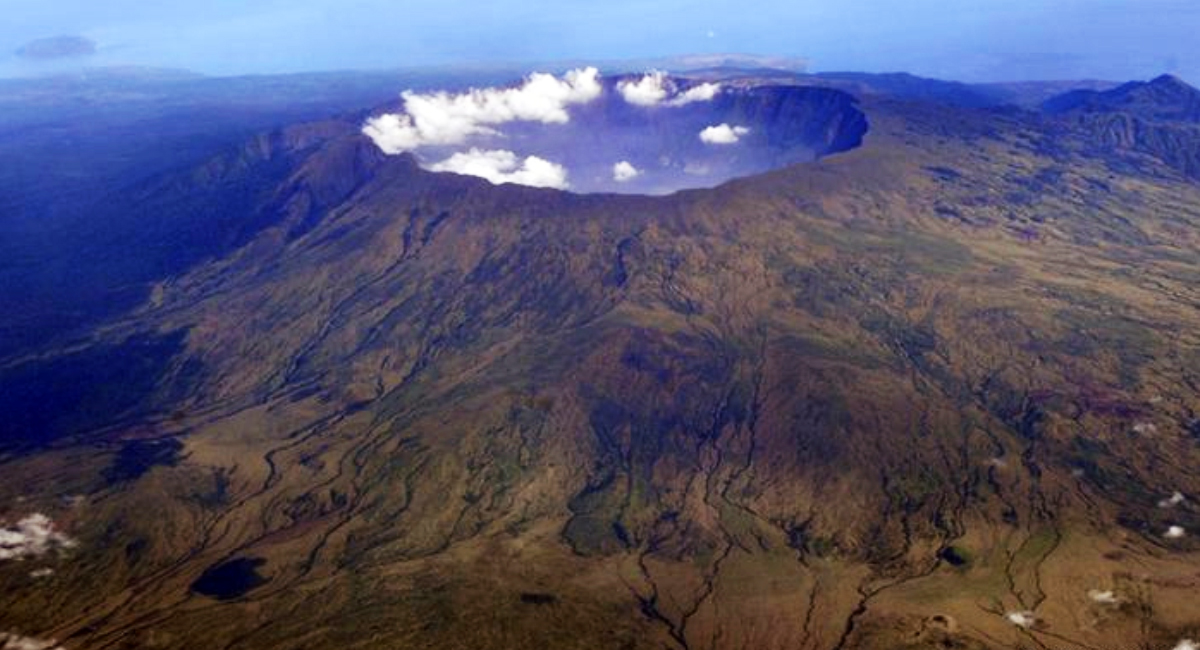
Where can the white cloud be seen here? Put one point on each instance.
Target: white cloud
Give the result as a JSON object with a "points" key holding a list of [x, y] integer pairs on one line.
{"points": [[624, 172], [1103, 597], [1175, 532], [31, 537], [12, 641], [504, 167], [655, 88], [701, 93], [1024, 620], [650, 90], [445, 119], [722, 134], [1176, 499]]}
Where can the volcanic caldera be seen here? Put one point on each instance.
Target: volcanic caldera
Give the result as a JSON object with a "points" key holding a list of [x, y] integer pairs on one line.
{"points": [[648, 134]]}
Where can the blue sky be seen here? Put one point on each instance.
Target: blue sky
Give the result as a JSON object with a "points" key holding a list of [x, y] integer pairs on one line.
{"points": [[974, 40]]}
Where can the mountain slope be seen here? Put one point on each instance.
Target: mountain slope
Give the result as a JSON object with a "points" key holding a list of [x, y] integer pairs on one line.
{"points": [[882, 400], [1159, 118], [107, 196], [1164, 98]]}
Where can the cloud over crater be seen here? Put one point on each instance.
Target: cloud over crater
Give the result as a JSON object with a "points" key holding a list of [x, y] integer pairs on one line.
{"points": [[501, 167], [655, 88], [443, 118], [723, 134]]}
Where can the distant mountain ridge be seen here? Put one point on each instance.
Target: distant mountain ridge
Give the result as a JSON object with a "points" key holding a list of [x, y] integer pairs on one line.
{"points": [[1160, 118], [1026, 94], [1166, 98]]}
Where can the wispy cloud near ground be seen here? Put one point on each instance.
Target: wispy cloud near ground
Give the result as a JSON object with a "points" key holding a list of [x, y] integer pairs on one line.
{"points": [[14, 641], [32, 536]]}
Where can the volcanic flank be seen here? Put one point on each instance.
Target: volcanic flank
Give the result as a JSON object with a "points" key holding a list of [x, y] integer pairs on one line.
{"points": [[936, 391], [649, 134]]}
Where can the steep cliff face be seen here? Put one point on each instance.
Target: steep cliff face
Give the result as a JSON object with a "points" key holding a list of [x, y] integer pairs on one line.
{"points": [[825, 121], [879, 400]]}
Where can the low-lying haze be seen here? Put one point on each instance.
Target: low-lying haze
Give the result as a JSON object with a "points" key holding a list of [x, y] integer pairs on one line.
{"points": [[975, 41]]}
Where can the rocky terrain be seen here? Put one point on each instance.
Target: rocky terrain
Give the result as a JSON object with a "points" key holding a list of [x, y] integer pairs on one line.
{"points": [[1160, 118], [939, 390]]}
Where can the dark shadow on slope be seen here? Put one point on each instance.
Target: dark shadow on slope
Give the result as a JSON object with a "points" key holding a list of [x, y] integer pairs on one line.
{"points": [[44, 400]]}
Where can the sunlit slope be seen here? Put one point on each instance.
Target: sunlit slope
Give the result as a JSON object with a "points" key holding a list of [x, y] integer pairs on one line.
{"points": [[884, 400]]}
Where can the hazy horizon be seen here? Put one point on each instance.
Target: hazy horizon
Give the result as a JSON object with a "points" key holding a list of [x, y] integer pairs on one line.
{"points": [[988, 40]]}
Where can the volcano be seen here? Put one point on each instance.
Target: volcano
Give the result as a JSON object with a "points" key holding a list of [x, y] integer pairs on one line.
{"points": [[909, 374], [663, 134]]}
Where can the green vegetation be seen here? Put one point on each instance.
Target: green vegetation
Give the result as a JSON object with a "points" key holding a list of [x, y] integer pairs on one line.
{"points": [[811, 409]]}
